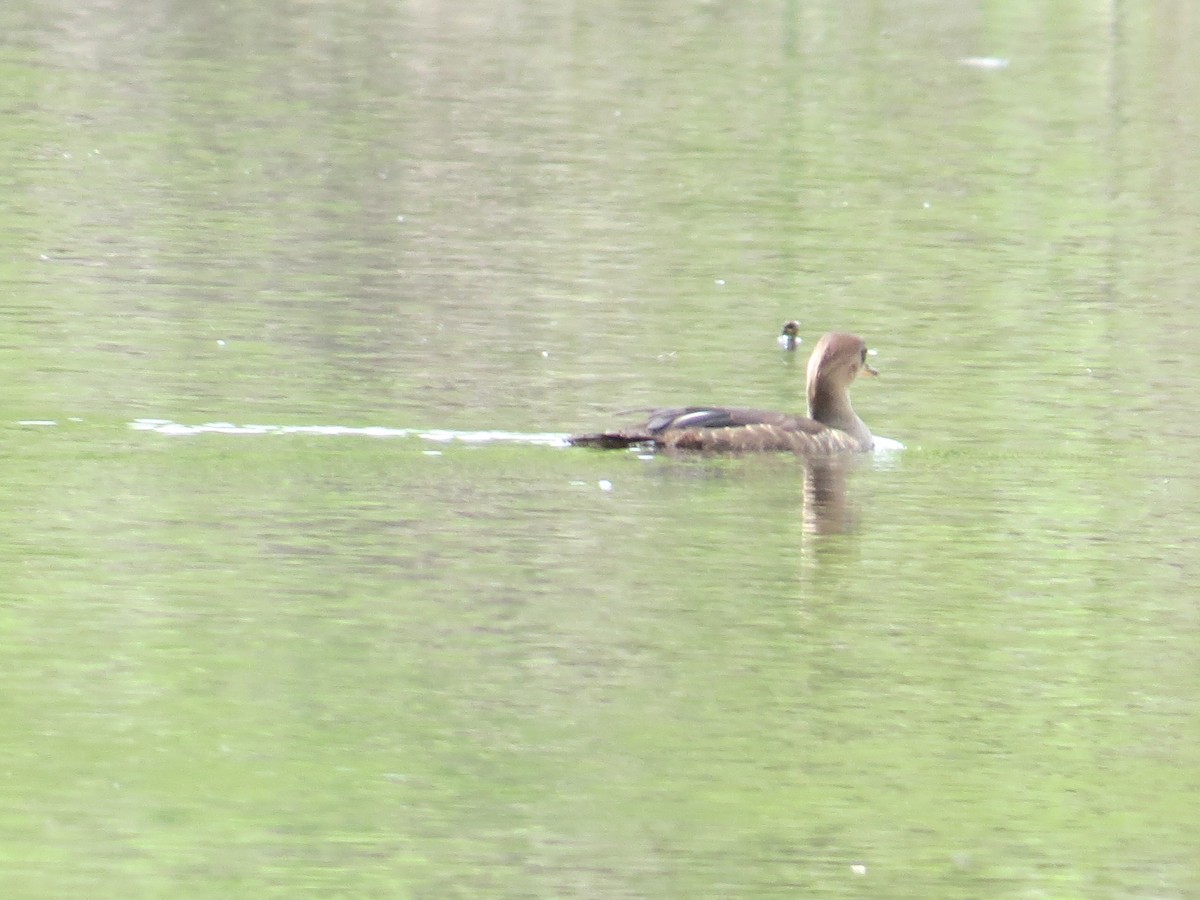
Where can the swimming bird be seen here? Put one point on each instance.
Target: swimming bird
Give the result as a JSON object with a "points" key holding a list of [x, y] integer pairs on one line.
{"points": [[789, 338], [831, 425]]}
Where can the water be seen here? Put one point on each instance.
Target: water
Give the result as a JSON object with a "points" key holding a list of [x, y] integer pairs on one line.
{"points": [[303, 593]]}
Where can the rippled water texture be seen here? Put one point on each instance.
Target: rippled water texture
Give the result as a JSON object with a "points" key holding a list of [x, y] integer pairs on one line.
{"points": [[303, 593]]}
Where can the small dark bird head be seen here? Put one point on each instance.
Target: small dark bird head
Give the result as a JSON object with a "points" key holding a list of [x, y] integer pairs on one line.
{"points": [[789, 337]]}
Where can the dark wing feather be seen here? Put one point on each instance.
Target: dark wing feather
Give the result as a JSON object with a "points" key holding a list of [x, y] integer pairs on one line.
{"points": [[726, 417]]}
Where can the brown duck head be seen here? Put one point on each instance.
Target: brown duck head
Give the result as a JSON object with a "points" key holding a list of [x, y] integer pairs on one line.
{"points": [[836, 361]]}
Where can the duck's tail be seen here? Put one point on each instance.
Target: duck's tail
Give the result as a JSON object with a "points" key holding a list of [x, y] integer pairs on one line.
{"points": [[610, 440]]}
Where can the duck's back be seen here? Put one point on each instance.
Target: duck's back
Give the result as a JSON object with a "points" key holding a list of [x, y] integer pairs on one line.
{"points": [[713, 417], [728, 430]]}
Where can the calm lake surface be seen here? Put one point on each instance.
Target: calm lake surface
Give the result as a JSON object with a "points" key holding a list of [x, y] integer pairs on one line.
{"points": [[302, 595]]}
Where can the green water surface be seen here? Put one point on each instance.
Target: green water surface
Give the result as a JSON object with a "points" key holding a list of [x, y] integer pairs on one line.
{"points": [[359, 664]]}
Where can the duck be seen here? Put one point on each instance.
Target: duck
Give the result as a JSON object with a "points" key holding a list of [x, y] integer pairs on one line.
{"points": [[831, 425], [789, 337]]}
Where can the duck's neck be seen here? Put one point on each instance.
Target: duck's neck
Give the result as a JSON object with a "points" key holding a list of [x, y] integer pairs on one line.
{"points": [[830, 405]]}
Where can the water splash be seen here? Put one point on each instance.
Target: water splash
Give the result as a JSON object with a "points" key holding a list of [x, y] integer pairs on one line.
{"points": [[990, 63]]}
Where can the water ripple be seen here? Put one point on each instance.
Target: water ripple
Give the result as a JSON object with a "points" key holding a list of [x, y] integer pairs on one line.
{"points": [[437, 435]]}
